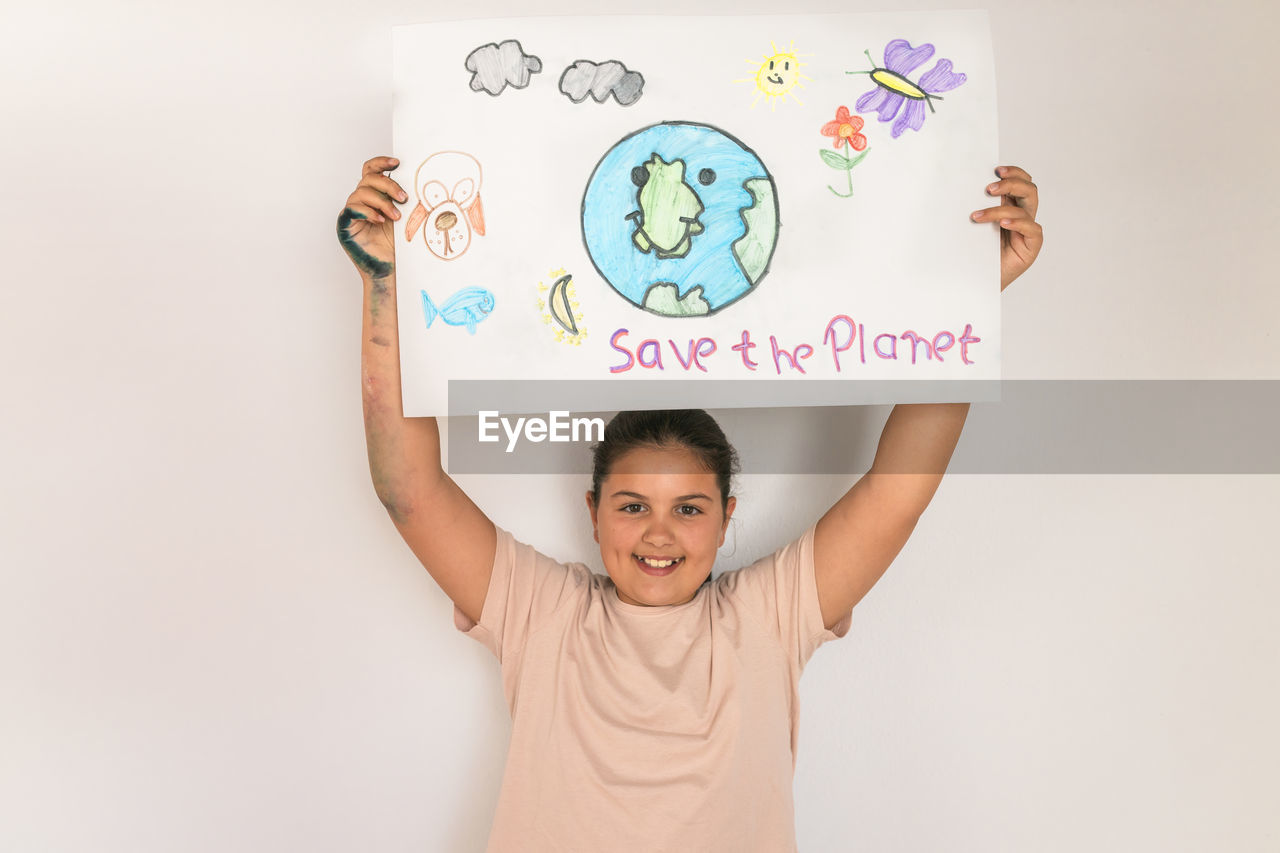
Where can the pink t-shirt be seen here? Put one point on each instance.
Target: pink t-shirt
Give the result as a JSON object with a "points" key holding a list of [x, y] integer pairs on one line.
{"points": [[649, 728]]}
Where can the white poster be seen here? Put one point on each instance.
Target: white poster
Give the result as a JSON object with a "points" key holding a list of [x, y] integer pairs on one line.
{"points": [[783, 199]]}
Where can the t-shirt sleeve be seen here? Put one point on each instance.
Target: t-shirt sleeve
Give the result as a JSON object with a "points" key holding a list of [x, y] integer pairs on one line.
{"points": [[525, 590], [782, 591]]}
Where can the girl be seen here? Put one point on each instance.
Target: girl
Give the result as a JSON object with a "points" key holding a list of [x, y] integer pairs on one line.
{"points": [[652, 709]]}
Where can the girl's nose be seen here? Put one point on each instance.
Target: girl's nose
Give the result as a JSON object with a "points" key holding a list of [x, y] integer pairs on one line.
{"points": [[658, 533]]}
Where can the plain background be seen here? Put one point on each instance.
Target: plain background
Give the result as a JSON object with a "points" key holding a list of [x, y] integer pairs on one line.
{"points": [[212, 639]]}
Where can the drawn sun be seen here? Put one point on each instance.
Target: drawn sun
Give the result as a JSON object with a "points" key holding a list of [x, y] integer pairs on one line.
{"points": [[777, 76]]}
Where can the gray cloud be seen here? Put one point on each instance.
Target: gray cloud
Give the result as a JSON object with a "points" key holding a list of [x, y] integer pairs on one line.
{"points": [[495, 66], [600, 81]]}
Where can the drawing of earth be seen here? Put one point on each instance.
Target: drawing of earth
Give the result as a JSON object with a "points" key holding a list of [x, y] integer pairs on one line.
{"points": [[681, 219]]}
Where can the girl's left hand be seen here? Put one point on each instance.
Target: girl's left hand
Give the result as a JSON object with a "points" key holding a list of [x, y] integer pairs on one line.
{"points": [[1020, 235]]}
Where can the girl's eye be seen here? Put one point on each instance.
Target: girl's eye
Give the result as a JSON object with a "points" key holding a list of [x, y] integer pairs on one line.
{"points": [[688, 510], [633, 508]]}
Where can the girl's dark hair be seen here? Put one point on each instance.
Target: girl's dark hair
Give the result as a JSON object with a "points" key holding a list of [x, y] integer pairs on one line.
{"points": [[692, 429]]}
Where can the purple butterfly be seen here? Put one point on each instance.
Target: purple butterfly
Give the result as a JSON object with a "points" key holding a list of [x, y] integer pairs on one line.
{"points": [[893, 87]]}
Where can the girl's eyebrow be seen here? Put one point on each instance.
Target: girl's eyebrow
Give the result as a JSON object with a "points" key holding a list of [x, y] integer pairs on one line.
{"points": [[698, 496]]}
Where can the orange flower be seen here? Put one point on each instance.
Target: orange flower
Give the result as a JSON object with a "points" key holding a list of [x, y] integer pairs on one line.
{"points": [[845, 130]]}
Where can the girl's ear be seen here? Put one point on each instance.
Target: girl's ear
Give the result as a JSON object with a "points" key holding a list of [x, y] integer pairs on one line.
{"points": [[729, 507], [591, 508], [728, 514]]}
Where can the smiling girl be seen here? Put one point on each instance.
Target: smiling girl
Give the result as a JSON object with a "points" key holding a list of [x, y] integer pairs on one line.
{"points": [[653, 708]]}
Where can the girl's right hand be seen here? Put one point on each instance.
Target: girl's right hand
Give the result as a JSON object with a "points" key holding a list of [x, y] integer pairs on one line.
{"points": [[364, 226]]}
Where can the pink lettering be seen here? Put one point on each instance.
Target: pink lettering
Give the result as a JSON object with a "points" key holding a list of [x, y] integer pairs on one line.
{"points": [[613, 342], [966, 339], [916, 340], [655, 360], [830, 333], [793, 358], [744, 348]]}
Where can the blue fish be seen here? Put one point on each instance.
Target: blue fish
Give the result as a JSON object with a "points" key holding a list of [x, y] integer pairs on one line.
{"points": [[467, 307]]}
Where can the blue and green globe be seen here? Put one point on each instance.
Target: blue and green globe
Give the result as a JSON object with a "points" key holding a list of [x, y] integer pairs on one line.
{"points": [[680, 219]]}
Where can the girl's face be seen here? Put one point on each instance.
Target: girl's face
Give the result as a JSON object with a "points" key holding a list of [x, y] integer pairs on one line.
{"points": [[659, 523]]}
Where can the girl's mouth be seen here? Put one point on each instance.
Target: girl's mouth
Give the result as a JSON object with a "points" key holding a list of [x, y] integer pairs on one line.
{"points": [[657, 566]]}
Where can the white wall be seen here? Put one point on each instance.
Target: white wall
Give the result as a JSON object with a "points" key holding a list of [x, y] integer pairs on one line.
{"points": [[211, 638]]}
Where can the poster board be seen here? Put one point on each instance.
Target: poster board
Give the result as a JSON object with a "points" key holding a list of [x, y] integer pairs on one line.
{"points": [[741, 207]]}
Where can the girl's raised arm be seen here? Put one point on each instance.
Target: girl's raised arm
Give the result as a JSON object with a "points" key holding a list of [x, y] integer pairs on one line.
{"points": [[446, 531], [860, 536]]}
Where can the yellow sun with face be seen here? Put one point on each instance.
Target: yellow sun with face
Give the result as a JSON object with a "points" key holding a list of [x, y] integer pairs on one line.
{"points": [[777, 76]]}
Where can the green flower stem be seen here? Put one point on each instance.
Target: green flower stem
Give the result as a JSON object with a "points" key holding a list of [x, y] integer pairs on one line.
{"points": [[836, 161], [848, 173]]}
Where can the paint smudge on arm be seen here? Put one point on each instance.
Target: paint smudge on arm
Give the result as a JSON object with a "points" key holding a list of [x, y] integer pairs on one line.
{"points": [[379, 293], [373, 267]]}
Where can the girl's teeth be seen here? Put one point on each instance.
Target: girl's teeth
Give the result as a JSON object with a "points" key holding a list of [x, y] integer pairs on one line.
{"points": [[658, 564]]}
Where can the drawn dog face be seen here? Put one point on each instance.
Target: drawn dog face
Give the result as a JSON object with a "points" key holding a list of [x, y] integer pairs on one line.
{"points": [[449, 208]]}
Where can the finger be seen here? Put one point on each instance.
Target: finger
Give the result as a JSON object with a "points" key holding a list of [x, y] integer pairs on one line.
{"points": [[379, 164], [375, 199], [1012, 172], [358, 202], [1030, 229], [1004, 211], [355, 215], [385, 185], [1015, 187], [1017, 191]]}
